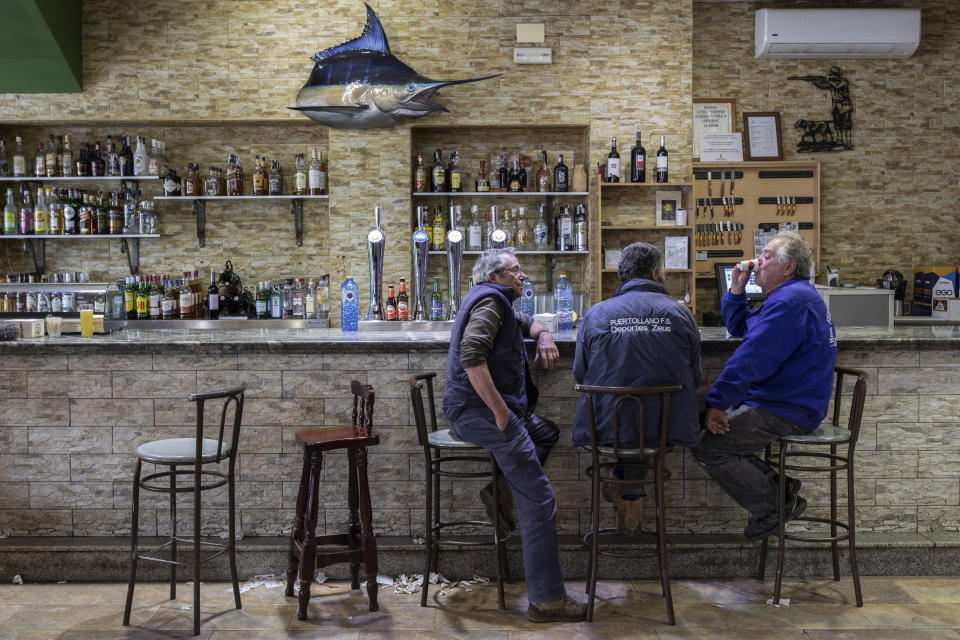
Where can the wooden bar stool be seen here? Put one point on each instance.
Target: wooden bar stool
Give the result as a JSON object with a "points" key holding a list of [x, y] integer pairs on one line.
{"points": [[646, 458], [434, 442], [359, 546], [197, 452], [829, 434]]}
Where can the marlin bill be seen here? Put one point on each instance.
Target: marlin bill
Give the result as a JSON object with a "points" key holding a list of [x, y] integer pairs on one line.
{"points": [[360, 85]]}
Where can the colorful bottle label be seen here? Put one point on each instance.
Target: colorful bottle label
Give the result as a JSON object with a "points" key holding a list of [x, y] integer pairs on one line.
{"points": [[436, 310]]}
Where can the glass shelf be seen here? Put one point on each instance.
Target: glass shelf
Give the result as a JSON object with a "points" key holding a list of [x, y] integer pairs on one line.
{"points": [[659, 185], [522, 253], [76, 178], [635, 227], [87, 236], [283, 197], [497, 194]]}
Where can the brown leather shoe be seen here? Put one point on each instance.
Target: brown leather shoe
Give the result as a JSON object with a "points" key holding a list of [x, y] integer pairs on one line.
{"points": [[566, 609], [630, 514]]}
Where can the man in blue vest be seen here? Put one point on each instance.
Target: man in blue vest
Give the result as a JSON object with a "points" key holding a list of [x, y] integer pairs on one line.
{"points": [[641, 337], [777, 382], [489, 399]]}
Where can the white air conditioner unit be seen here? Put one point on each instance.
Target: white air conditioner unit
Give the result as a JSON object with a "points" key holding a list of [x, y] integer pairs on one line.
{"points": [[838, 34]]}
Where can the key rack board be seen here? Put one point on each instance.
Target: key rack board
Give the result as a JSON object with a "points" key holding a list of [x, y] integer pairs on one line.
{"points": [[766, 195]]}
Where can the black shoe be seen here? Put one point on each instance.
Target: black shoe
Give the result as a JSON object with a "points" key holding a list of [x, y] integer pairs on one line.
{"points": [[507, 522], [768, 525], [566, 609]]}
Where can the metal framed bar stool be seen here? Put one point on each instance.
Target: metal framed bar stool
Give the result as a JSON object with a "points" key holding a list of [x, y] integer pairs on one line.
{"points": [[197, 452], [829, 434], [605, 459], [434, 442], [358, 546]]}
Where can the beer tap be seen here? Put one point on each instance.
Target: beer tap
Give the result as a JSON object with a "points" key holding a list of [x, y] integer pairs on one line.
{"points": [[498, 237], [454, 261], [375, 244], [421, 248]]}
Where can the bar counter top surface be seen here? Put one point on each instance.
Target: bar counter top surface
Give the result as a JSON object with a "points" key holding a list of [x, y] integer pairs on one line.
{"points": [[320, 340]]}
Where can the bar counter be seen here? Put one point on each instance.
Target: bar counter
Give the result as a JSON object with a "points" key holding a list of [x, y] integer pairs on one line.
{"points": [[72, 411]]}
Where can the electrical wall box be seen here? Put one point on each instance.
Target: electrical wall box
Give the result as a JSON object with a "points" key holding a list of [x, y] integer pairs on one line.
{"points": [[532, 55], [530, 33]]}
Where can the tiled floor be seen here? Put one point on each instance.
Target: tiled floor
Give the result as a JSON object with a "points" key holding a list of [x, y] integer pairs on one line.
{"points": [[894, 609]]}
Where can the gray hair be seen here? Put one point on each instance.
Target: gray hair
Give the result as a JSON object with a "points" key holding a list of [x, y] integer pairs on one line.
{"points": [[638, 260], [488, 262], [793, 248]]}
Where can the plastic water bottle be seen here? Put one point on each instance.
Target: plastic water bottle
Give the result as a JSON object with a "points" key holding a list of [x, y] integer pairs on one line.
{"points": [[563, 304], [349, 311], [524, 303]]}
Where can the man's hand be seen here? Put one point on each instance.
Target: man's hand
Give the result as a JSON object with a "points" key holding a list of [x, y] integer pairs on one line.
{"points": [[546, 350], [716, 421], [739, 280]]}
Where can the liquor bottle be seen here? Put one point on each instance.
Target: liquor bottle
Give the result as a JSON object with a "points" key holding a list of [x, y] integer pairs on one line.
{"points": [[186, 298], [10, 215], [71, 213], [453, 173], [54, 212], [438, 175], [26, 213], [613, 163], [263, 300], [323, 174], [275, 180], [420, 175], [40, 215], [153, 162], [143, 298], [87, 213], [523, 174], [298, 306], [113, 159], [580, 229], [276, 302], [213, 298], [140, 158], [129, 298], [314, 175], [638, 162], [103, 217], [455, 211], [390, 311], [82, 164], [504, 172], [191, 181], [259, 179], [523, 230], [323, 294], [483, 185], [40, 162], [686, 293], [210, 186], [167, 301], [543, 174], [436, 301], [474, 231], [310, 301], [540, 230], [126, 158], [488, 230], [439, 231], [662, 174], [561, 176], [513, 181], [66, 157], [403, 304], [509, 227], [51, 159], [563, 239], [4, 164], [19, 160], [97, 166], [233, 187], [300, 187]]}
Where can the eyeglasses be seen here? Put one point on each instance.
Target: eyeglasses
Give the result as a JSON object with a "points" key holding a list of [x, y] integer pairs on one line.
{"points": [[514, 270]]}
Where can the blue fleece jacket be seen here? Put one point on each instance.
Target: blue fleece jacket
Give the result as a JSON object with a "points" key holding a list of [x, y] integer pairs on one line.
{"points": [[785, 363]]}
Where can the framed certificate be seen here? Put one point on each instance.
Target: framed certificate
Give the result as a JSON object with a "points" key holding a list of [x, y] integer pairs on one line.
{"points": [[712, 115], [762, 133], [667, 204]]}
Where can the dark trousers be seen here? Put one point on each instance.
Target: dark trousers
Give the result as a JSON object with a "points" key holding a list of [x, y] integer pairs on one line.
{"points": [[730, 460]]}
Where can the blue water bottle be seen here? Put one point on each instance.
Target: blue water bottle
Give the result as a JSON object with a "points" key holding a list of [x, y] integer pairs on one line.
{"points": [[524, 303], [563, 304], [349, 309]]}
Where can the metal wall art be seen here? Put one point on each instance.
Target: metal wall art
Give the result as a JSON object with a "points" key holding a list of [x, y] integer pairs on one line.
{"points": [[828, 135], [360, 85]]}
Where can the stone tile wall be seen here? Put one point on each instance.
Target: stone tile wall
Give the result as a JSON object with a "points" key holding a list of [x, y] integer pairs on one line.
{"points": [[69, 426]]}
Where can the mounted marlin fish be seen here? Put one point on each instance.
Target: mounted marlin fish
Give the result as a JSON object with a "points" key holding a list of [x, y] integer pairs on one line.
{"points": [[360, 85]]}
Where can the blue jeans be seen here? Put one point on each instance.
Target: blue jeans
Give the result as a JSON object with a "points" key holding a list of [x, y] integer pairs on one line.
{"points": [[729, 458], [520, 461]]}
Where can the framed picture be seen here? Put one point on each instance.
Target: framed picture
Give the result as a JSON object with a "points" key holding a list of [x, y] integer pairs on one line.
{"points": [[762, 135], [667, 204], [712, 115]]}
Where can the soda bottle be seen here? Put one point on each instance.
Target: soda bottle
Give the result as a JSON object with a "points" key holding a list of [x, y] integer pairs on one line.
{"points": [[349, 311]]}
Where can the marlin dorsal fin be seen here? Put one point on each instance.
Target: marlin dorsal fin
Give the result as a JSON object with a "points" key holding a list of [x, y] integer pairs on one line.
{"points": [[372, 39]]}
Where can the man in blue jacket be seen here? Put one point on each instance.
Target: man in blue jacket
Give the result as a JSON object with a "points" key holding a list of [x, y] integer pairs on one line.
{"points": [[639, 337], [777, 382]]}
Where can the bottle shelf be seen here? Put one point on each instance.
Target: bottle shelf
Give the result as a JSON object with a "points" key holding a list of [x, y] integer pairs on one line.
{"points": [[641, 185], [281, 197], [497, 194], [636, 227], [665, 271], [522, 253], [76, 178], [89, 236]]}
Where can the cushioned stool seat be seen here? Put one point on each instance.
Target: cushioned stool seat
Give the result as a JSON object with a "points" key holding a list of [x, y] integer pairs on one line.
{"points": [[181, 451]]}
